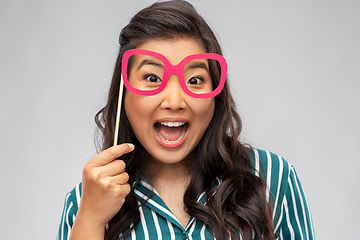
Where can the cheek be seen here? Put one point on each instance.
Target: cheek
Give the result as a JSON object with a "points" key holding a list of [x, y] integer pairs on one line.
{"points": [[204, 106], [137, 109], [203, 109]]}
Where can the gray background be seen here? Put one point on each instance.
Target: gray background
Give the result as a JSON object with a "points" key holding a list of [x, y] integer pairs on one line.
{"points": [[293, 68]]}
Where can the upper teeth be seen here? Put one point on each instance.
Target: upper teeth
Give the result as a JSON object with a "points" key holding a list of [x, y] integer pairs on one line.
{"points": [[172, 124]]}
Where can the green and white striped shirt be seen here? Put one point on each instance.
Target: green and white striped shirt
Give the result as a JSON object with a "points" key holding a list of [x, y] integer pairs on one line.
{"points": [[291, 213]]}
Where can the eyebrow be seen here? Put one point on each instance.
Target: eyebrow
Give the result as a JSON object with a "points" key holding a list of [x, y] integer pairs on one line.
{"points": [[197, 65], [150, 62]]}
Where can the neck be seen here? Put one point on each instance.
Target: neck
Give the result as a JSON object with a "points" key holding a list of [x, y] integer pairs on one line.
{"points": [[159, 173]]}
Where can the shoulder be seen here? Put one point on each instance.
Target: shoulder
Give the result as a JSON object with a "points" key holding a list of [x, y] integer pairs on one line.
{"points": [[275, 171], [72, 201], [268, 165], [73, 197], [71, 206], [265, 162]]}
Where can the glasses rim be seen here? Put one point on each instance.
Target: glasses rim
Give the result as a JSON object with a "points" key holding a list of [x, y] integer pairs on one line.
{"points": [[174, 69]]}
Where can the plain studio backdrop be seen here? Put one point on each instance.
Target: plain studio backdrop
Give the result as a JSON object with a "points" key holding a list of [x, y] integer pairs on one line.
{"points": [[294, 70]]}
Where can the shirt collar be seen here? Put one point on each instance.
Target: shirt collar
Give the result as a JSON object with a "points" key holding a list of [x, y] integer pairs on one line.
{"points": [[147, 195], [144, 186]]}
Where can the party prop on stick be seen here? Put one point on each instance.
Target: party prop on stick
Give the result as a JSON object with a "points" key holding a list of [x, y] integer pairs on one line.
{"points": [[204, 85], [116, 134]]}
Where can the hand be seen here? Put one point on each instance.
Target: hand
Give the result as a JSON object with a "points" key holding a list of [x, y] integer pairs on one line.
{"points": [[104, 186]]}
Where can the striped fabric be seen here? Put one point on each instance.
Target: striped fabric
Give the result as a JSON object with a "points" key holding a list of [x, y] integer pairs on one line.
{"points": [[291, 213]]}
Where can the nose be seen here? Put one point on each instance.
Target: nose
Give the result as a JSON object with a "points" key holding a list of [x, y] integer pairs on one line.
{"points": [[173, 95]]}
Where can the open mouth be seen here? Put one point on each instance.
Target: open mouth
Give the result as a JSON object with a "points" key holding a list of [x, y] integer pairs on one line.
{"points": [[171, 134]]}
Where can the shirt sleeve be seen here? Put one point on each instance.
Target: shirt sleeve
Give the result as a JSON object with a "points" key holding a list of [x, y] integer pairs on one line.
{"points": [[71, 206], [295, 220]]}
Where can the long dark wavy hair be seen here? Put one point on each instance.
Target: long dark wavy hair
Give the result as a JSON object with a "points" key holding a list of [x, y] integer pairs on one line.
{"points": [[239, 204]]}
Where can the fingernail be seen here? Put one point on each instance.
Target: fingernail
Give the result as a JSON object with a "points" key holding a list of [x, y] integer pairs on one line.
{"points": [[131, 146]]}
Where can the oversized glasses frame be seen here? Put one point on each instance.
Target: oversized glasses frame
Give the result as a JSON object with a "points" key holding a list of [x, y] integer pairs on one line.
{"points": [[178, 70]]}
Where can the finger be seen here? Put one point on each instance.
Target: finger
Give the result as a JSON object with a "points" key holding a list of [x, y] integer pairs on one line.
{"points": [[120, 179], [124, 189], [113, 168], [111, 153]]}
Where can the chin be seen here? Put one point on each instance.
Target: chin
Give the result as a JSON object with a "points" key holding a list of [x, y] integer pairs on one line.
{"points": [[168, 156]]}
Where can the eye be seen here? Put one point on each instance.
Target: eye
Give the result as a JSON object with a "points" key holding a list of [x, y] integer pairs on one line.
{"points": [[195, 80], [152, 78]]}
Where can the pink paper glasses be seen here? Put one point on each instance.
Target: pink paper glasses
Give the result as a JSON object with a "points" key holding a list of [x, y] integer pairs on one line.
{"points": [[146, 73]]}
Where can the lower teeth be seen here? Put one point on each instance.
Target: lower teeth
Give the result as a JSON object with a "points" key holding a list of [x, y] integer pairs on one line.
{"points": [[168, 141]]}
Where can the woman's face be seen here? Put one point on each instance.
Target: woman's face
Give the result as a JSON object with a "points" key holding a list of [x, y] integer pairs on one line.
{"points": [[169, 124]]}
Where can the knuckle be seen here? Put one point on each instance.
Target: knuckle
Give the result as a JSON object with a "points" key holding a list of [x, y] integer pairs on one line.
{"points": [[92, 174], [110, 151], [126, 176], [105, 183], [87, 168], [94, 178], [126, 188], [122, 165], [88, 172], [122, 191]]}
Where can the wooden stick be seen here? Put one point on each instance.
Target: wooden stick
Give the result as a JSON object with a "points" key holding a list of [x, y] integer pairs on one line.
{"points": [[116, 134]]}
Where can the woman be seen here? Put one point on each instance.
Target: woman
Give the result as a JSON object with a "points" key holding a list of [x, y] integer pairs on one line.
{"points": [[180, 171]]}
